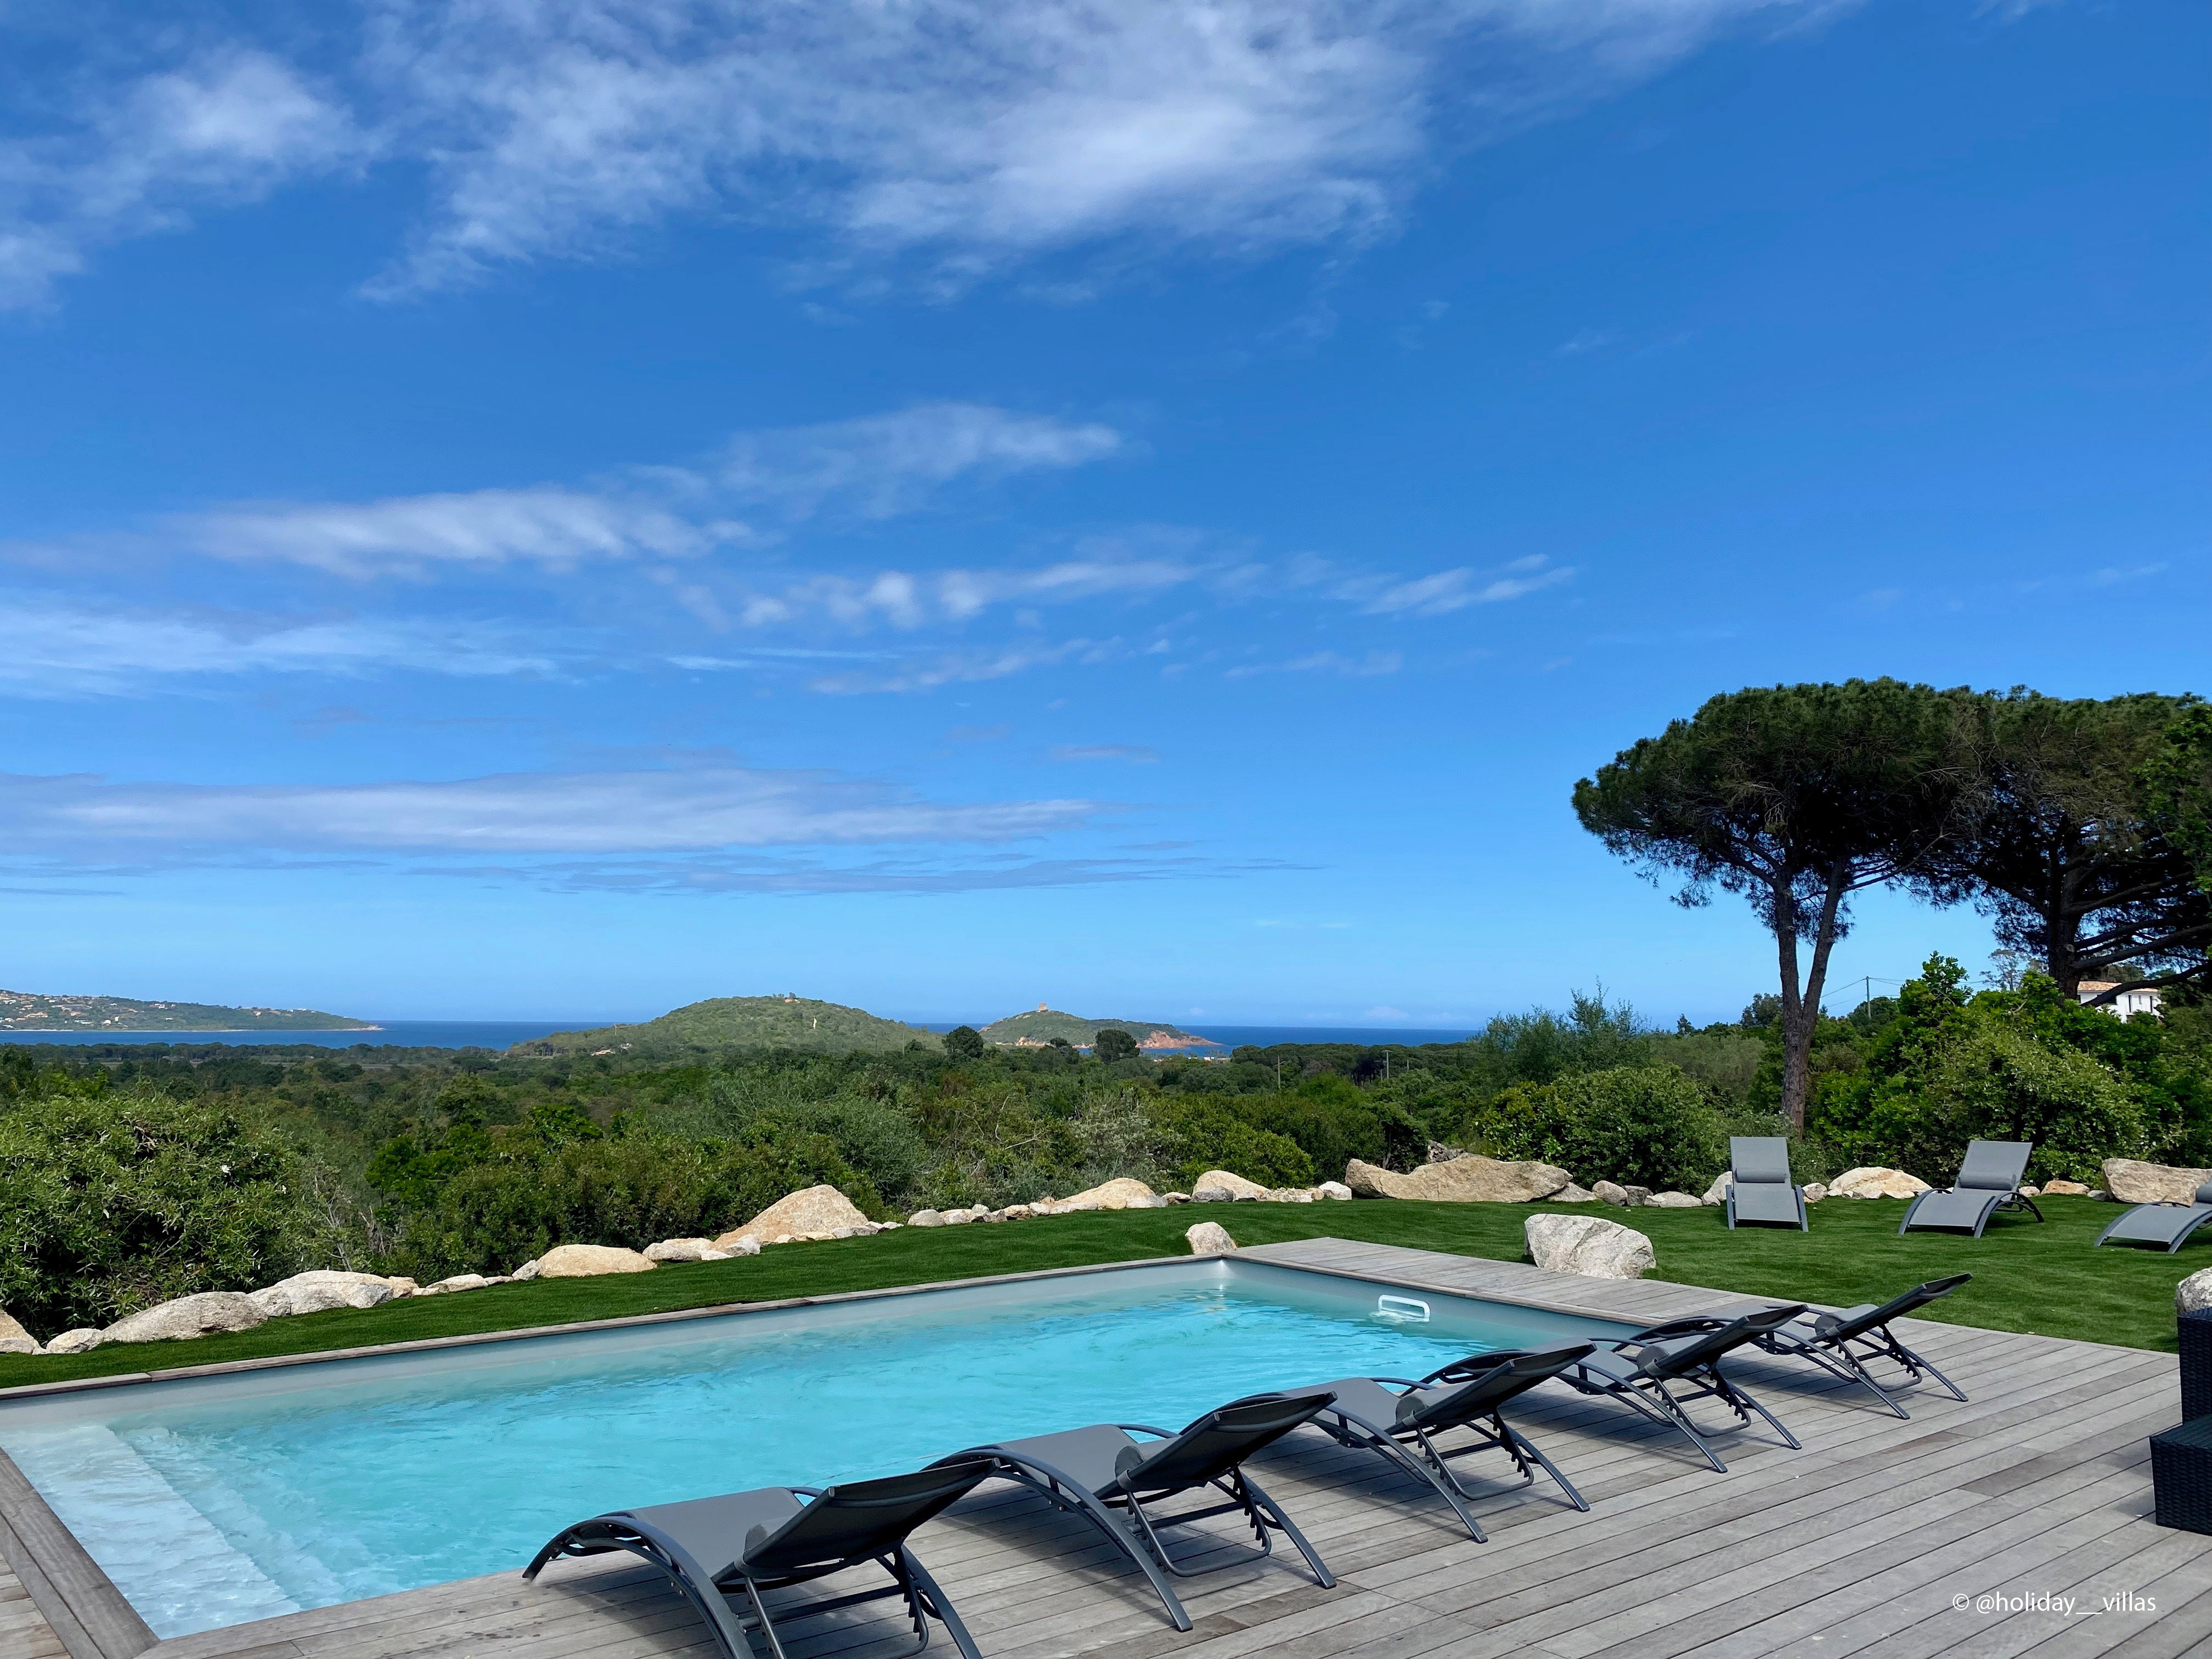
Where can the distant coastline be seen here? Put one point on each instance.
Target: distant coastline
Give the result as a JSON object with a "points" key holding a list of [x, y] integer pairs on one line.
{"points": [[80, 1016]]}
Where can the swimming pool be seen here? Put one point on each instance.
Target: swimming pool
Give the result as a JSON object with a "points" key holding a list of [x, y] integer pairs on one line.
{"points": [[211, 1501]]}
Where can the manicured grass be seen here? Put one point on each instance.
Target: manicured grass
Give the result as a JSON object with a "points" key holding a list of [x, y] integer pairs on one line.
{"points": [[2027, 1277]]}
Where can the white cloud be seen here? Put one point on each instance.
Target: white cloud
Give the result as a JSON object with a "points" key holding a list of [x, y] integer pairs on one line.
{"points": [[1448, 591], [219, 128], [909, 600], [981, 134], [966, 667], [870, 468], [962, 135], [1133, 753], [1327, 662], [484, 528], [884, 465], [50, 647], [519, 813]]}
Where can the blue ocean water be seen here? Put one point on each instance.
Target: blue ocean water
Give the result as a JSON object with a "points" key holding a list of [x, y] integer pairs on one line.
{"points": [[393, 1033], [239, 1498], [502, 1034], [1226, 1037]]}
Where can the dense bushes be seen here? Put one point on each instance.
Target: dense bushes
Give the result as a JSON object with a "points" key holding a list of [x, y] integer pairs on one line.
{"points": [[207, 1167], [1649, 1126], [2025, 1064], [111, 1202]]}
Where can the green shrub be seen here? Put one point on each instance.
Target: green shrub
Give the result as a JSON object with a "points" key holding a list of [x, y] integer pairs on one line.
{"points": [[2028, 1065], [1214, 1134], [1645, 1126], [111, 1202], [526, 1195]]}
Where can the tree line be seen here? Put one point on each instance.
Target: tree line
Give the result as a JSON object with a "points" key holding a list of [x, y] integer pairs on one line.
{"points": [[2081, 827]]}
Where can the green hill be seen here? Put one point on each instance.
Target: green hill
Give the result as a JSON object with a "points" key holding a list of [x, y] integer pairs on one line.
{"points": [[28, 1011], [742, 1023], [1041, 1025]]}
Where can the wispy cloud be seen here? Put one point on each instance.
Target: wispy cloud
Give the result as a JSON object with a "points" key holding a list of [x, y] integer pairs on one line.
{"points": [[957, 138], [793, 876], [410, 535], [1448, 591], [967, 668], [219, 128], [2112, 576], [1326, 662], [864, 469], [885, 464], [553, 814], [1133, 754], [51, 647], [908, 599]]}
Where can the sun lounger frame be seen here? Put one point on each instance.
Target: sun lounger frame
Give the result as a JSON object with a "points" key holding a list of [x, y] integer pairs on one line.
{"points": [[1842, 1342]]}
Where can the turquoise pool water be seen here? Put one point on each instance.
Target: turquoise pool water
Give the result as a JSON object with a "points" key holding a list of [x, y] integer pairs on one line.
{"points": [[215, 1501]]}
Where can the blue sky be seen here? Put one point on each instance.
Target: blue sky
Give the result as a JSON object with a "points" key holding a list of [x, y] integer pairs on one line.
{"points": [[562, 509]]}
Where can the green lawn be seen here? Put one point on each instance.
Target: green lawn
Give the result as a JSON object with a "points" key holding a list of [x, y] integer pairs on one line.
{"points": [[2027, 1277]]}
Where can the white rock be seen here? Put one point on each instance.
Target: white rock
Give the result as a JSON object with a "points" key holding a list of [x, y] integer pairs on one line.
{"points": [[743, 1244], [1015, 1213], [590, 1262], [205, 1315], [1588, 1244], [522, 1275], [454, 1283], [1157, 1201], [1176, 1198], [957, 1217], [2192, 1293], [2133, 1182], [1610, 1192], [679, 1250], [1872, 1181], [1229, 1181], [1209, 1238], [1717, 1193], [1468, 1179], [322, 1291], [402, 1287], [925, 1218], [76, 1341], [2100, 1194], [2066, 1188], [13, 1338], [1205, 1194], [1572, 1194], [1115, 1194], [1335, 1189], [2029, 1192], [815, 1210], [1673, 1201], [1815, 1192]]}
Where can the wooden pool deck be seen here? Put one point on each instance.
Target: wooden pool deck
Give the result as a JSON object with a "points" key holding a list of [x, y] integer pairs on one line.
{"points": [[1880, 1537]]}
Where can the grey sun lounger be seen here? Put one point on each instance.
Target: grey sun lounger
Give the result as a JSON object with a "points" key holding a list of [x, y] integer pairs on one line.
{"points": [[747, 1543], [1400, 1419], [1098, 1471], [1989, 1181], [1843, 1341], [2166, 1224], [1760, 1187], [1653, 1370]]}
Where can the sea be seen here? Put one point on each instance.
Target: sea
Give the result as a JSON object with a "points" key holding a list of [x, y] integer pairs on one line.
{"points": [[499, 1034]]}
